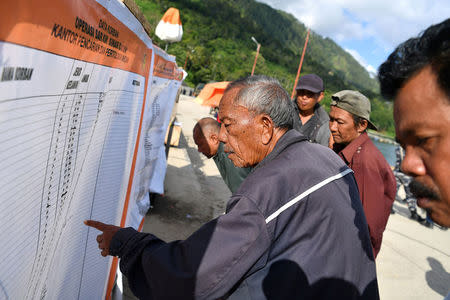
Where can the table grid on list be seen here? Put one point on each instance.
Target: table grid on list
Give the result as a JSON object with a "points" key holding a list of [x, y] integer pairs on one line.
{"points": [[56, 151]]}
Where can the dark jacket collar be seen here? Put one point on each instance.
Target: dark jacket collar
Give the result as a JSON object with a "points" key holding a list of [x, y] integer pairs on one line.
{"points": [[292, 136], [319, 113]]}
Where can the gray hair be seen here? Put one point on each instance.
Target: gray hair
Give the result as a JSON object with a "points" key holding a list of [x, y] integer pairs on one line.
{"points": [[264, 95]]}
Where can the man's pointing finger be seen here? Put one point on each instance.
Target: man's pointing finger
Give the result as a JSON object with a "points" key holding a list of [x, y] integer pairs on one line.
{"points": [[96, 224]]}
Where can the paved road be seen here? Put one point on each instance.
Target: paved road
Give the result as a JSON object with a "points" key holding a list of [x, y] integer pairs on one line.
{"points": [[414, 261]]}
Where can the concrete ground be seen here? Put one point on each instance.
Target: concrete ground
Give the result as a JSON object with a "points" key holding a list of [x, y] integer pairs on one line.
{"points": [[414, 261]]}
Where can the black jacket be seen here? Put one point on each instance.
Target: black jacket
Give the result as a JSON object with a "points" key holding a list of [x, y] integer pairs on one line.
{"points": [[295, 229]]}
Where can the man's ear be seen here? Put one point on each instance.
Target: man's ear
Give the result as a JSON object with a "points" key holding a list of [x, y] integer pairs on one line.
{"points": [[362, 126], [214, 138], [267, 129], [320, 97]]}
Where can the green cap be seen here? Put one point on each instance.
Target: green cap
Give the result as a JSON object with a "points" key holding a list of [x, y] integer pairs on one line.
{"points": [[355, 103]]}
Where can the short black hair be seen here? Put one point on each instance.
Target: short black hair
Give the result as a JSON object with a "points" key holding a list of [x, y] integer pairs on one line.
{"points": [[431, 48]]}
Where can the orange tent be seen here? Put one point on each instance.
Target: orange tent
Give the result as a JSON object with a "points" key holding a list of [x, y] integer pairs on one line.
{"points": [[211, 93]]}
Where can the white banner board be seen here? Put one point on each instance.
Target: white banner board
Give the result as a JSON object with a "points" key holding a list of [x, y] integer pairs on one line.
{"points": [[75, 80]]}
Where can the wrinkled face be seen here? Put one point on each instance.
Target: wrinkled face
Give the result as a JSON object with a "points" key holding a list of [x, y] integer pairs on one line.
{"points": [[342, 127], [422, 125], [240, 132], [306, 100], [204, 143]]}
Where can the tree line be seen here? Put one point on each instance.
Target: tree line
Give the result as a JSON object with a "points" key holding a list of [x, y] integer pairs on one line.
{"points": [[217, 46]]}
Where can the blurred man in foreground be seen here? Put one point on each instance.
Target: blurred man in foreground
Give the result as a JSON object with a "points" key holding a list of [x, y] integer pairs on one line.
{"points": [[417, 76], [349, 120], [206, 137], [405, 195], [294, 229]]}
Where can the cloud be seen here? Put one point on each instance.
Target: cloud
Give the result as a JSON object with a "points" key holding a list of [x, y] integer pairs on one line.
{"points": [[388, 22], [357, 56], [372, 71]]}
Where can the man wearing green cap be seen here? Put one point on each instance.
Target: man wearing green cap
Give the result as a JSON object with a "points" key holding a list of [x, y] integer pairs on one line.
{"points": [[349, 120]]}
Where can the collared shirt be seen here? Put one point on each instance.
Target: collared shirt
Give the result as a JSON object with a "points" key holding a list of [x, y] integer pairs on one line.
{"points": [[376, 183], [232, 175]]}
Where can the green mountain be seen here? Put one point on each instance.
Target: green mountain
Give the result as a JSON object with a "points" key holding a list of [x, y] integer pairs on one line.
{"points": [[217, 46]]}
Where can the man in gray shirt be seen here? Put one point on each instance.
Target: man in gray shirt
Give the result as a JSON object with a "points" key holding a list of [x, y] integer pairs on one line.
{"points": [[310, 118], [206, 137]]}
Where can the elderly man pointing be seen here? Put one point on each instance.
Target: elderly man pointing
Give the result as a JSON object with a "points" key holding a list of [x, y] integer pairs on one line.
{"points": [[295, 228]]}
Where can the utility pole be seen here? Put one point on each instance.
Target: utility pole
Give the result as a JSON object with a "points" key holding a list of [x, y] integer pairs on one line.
{"points": [[187, 56], [300, 65], [258, 46]]}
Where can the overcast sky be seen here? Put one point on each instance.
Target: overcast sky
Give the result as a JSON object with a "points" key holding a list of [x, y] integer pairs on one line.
{"points": [[368, 29]]}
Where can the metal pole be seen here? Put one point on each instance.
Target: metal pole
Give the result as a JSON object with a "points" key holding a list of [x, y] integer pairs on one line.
{"points": [[300, 65]]}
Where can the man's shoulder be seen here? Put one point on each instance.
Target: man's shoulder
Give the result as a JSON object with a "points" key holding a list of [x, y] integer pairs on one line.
{"points": [[295, 156], [298, 168], [371, 155], [369, 148], [303, 159]]}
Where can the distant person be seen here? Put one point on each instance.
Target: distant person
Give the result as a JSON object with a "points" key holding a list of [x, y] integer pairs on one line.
{"points": [[311, 119], [349, 120], [417, 76], [295, 228], [206, 137], [403, 180]]}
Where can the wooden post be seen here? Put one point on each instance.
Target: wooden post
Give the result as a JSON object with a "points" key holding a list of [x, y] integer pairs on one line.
{"points": [[300, 65], [185, 62], [256, 58]]}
